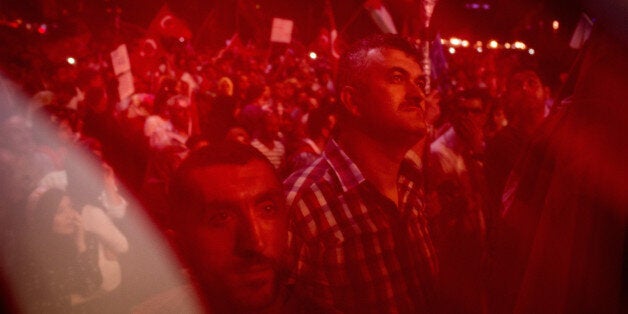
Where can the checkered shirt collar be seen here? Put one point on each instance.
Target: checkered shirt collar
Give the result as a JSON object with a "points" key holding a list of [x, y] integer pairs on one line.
{"points": [[346, 170]]}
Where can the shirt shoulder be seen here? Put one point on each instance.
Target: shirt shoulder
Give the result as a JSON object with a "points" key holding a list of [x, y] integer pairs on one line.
{"points": [[306, 180]]}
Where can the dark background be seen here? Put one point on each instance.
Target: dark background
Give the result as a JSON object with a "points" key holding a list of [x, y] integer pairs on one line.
{"points": [[505, 20]]}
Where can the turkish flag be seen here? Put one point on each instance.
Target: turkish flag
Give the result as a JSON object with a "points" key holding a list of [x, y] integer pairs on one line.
{"points": [[166, 24]]}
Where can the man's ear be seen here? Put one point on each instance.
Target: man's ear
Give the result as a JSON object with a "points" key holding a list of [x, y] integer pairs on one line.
{"points": [[348, 99]]}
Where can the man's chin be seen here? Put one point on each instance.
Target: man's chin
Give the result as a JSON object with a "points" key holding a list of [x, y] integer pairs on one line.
{"points": [[255, 294], [253, 289]]}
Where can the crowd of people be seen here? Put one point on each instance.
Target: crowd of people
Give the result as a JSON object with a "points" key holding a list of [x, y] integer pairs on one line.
{"points": [[392, 200]]}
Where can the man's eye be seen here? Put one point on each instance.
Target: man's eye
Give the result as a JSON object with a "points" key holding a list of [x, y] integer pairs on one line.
{"points": [[219, 218], [268, 209], [397, 78], [421, 82]]}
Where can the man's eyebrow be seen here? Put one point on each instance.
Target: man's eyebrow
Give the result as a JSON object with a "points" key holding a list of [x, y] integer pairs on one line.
{"points": [[218, 204], [273, 194], [398, 69]]}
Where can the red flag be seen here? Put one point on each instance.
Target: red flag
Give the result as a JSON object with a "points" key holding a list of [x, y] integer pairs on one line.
{"points": [[380, 16], [166, 24]]}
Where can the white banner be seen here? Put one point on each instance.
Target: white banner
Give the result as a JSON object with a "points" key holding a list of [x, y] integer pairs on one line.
{"points": [[281, 31], [126, 88], [120, 60], [582, 32]]}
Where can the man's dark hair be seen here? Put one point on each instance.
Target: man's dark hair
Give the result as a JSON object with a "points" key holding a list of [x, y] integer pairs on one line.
{"points": [[222, 153], [353, 60], [474, 93]]}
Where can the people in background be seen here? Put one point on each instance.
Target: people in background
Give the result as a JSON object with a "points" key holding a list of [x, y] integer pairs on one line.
{"points": [[458, 223], [60, 261]]}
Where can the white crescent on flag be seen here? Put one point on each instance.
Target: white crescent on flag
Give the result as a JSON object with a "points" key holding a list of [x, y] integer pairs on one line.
{"points": [[165, 22], [149, 48]]}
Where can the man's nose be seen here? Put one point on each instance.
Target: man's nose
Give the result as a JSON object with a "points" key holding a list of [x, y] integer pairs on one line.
{"points": [[249, 240], [415, 93], [416, 89]]}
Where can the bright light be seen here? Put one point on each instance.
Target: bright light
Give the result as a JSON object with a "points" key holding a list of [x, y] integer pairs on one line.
{"points": [[479, 49], [507, 45], [42, 29], [181, 39], [455, 41], [492, 44], [478, 43], [313, 55], [452, 50], [519, 45], [555, 25], [531, 51], [465, 43], [442, 41], [71, 61]]}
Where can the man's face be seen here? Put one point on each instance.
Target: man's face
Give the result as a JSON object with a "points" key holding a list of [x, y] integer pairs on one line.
{"points": [[237, 232], [390, 101], [525, 83], [525, 89], [471, 110]]}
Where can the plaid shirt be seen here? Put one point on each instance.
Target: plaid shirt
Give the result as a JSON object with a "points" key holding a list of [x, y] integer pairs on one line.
{"points": [[354, 250]]}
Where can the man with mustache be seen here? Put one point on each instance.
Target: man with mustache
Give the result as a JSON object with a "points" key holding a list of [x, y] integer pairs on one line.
{"points": [[230, 226], [360, 235]]}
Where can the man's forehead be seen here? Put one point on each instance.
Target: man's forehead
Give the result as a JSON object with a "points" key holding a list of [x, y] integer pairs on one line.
{"points": [[233, 181], [393, 57]]}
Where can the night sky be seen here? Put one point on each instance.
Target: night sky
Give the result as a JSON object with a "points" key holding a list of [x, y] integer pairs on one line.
{"points": [[504, 20]]}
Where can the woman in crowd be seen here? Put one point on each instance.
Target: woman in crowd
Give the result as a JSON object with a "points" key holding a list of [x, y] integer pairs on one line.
{"points": [[60, 270]]}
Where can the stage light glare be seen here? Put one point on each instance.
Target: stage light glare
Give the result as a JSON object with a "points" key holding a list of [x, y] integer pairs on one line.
{"points": [[492, 44], [519, 45], [313, 55], [71, 61], [555, 25]]}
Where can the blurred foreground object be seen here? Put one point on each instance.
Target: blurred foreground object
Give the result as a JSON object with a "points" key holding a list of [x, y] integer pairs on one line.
{"points": [[562, 244]]}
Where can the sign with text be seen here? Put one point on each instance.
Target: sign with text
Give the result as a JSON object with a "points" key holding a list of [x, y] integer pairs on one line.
{"points": [[120, 60], [126, 88], [281, 31]]}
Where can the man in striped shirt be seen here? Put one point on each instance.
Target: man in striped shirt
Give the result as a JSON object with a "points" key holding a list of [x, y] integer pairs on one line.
{"points": [[359, 236]]}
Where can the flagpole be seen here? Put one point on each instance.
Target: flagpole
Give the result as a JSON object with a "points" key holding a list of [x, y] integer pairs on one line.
{"points": [[426, 10], [350, 21]]}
